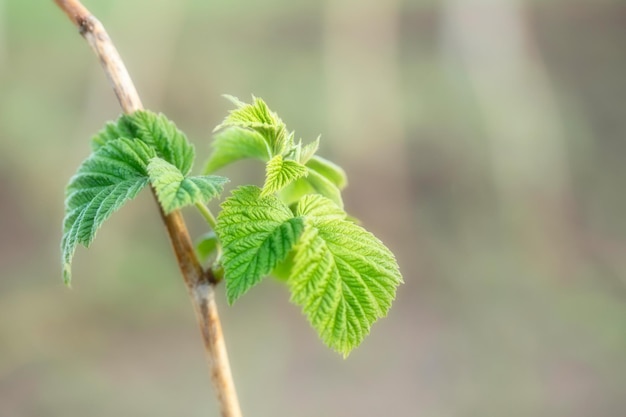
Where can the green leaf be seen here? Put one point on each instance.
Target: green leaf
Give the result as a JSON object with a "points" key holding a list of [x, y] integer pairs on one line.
{"points": [[314, 183], [259, 118], [257, 233], [320, 210], [282, 271], [280, 172], [251, 115], [324, 187], [343, 276], [293, 192], [157, 131], [324, 177], [307, 151], [123, 127], [174, 190], [235, 143], [207, 245], [112, 175], [162, 134], [329, 170]]}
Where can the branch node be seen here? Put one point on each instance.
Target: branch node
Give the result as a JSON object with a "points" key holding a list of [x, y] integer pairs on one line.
{"points": [[85, 24]]}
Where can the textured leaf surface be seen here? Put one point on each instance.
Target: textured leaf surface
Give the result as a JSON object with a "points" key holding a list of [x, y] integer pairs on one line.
{"points": [[329, 170], [307, 151], [259, 118], [325, 187], [343, 276], [155, 130], [255, 114], [162, 134], [280, 172], [123, 127], [206, 246], [112, 175], [323, 177], [235, 143], [256, 233], [174, 190], [313, 183]]}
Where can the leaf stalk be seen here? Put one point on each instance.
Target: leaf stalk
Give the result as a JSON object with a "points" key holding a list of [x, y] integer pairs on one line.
{"points": [[207, 215]]}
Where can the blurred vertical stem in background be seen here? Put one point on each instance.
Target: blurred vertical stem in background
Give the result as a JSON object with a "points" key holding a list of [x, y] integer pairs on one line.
{"points": [[199, 282], [494, 45], [163, 28], [2, 35], [365, 112]]}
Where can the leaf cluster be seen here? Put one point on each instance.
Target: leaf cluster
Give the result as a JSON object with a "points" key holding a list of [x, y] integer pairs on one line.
{"points": [[136, 150], [294, 227]]}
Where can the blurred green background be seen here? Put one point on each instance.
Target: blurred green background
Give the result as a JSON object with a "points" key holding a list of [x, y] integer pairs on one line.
{"points": [[485, 144]]}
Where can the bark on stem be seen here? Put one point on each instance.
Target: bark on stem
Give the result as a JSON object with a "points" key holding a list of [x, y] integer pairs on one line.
{"points": [[199, 282]]}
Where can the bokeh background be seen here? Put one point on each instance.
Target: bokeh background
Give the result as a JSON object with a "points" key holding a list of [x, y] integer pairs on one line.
{"points": [[485, 144]]}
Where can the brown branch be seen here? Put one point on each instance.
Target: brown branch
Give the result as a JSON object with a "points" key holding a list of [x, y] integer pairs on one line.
{"points": [[92, 30], [199, 282]]}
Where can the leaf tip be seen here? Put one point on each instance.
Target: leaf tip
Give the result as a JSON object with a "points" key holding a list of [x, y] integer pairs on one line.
{"points": [[234, 100], [67, 274], [231, 294]]}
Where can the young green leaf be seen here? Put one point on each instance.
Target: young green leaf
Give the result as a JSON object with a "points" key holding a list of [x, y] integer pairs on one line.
{"points": [[320, 210], [251, 115], [207, 245], [323, 177], [235, 143], [157, 131], [162, 134], [258, 117], [174, 190], [123, 127], [325, 187], [313, 183], [112, 175], [256, 233], [329, 170], [281, 172], [307, 151], [343, 277]]}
